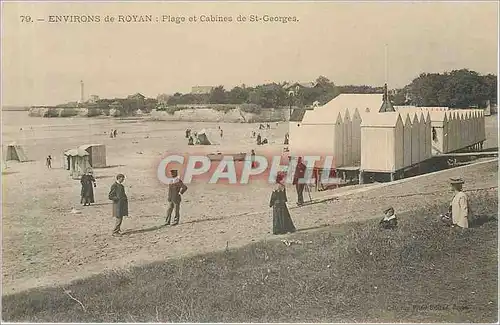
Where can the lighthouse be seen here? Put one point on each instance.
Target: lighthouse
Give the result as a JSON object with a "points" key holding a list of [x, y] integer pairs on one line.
{"points": [[82, 94]]}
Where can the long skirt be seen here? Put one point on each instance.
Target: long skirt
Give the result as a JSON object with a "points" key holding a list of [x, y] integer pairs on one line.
{"points": [[87, 194], [282, 222]]}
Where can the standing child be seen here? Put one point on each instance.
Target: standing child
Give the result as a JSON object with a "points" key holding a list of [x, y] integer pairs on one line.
{"points": [[49, 162]]}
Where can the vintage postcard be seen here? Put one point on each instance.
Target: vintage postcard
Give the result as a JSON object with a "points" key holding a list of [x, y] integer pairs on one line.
{"points": [[264, 162]]}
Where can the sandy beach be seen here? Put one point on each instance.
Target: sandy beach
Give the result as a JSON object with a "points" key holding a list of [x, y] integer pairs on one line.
{"points": [[44, 243]]}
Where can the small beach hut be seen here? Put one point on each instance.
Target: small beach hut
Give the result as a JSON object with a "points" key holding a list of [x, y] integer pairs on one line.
{"points": [[97, 154], [356, 138], [438, 130], [415, 143], [421, 136], [406, 118], [428, 135], [382, 142], [347, 148]]}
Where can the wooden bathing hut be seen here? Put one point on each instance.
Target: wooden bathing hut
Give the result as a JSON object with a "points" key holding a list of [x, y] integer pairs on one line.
{"points": [[415, 145], [356, 138], [428, 139], [347, 149], [97, 154], [439, 130], [407, 118], [421, 137], [382, 148]]}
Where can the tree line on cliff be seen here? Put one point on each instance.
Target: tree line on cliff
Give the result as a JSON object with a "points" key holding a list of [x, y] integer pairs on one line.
{"points": [[456, 89]]}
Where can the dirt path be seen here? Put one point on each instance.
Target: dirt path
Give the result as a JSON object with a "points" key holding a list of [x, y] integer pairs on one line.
{"points": [[44, 244]]}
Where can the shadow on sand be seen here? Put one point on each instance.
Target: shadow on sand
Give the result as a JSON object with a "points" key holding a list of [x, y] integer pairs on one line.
{"points": [[139, 231], [481, 220], [110, 166], [8, 173]]}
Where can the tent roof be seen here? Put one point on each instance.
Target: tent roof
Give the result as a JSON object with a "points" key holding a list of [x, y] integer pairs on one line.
{"points": [[328, 113], [85, 146], [76, 152], [386, 119]]}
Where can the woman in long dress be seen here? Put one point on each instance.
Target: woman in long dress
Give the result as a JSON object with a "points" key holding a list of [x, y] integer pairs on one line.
{"points": [[282, 222], [88, 184]]}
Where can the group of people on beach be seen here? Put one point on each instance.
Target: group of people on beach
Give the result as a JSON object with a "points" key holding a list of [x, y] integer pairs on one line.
{"points": [[282, 221], [113, 133]]}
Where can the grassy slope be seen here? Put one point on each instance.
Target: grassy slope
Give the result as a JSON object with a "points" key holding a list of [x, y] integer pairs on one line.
{"points": [[422, 272]]}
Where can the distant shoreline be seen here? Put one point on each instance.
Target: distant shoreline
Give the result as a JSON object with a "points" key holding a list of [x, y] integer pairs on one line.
{"points": [[15, 109]]}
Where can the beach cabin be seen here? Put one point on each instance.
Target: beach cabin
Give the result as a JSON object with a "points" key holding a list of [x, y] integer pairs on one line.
{"points": [[318, 139], [482, 129], [347, 149], [77, 162], [382, 142], [452, 141], [356, 138], [421, 136], [320, 124], [407, 125], [474, 127], [428, 139], [415, 144], [439, 129], [97, 154]]}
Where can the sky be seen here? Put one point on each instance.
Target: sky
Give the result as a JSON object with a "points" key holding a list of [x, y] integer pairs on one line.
{"points": [[43, 63]]}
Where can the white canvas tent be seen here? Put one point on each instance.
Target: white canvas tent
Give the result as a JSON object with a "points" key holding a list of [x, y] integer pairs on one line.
{"points": [[382, 148], [202, 138], [76, 161], [15, 152]]}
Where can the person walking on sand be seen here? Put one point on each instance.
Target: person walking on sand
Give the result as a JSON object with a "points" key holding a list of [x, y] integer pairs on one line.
{"points": [[221, 132], [252, 159], [115, 133], [175, 189], [88, 184], [282, 222], [49, 162], [111, 133], [300, 171], [120, 203]]}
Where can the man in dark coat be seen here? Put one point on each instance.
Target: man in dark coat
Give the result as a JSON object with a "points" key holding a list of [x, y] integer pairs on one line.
{"points": [[120, 203], [300, 172], [175, 189]]}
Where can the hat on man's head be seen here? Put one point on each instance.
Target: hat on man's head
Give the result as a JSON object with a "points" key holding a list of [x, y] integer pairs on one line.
{"points": [[456, 180]]}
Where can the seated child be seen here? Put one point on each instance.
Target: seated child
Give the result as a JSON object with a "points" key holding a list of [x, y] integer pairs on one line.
{"points": [[389, 221]]}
